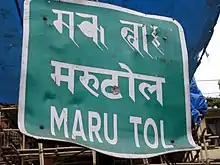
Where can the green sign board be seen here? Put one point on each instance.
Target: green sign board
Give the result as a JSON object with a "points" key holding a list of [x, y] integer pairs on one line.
{"points": [[105, 77]]}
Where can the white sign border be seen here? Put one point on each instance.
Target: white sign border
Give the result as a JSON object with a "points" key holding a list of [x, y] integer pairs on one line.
{"points": [[24, 61]]}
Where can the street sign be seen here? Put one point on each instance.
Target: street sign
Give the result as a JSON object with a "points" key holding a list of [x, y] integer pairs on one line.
{"points": [[105, 77]]}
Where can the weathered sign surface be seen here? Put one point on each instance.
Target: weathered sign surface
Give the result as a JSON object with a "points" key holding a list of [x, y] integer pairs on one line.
{"points": [[104, 77]]}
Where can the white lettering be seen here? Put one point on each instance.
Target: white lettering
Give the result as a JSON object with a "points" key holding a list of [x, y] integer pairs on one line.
{"points": [[85, 82], [151, 122], [59, 121], [115, 136], [155, 41], [162, 136], [133, 40], [112, 83], [78, 122], [94, 128], [152, 89], [58, 78], [130, 80], [131, 37], [89, 29], [59, 23], [136, 121]]}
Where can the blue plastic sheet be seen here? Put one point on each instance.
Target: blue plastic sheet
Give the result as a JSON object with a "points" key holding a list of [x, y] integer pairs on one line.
{"points": [[198, 17], [198, 102], [195, 115], [10, 51]]}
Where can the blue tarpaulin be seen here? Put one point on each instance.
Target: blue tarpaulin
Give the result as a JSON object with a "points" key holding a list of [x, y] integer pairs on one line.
{"points": [[10, 50], [198, 17], [198, 102]]}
